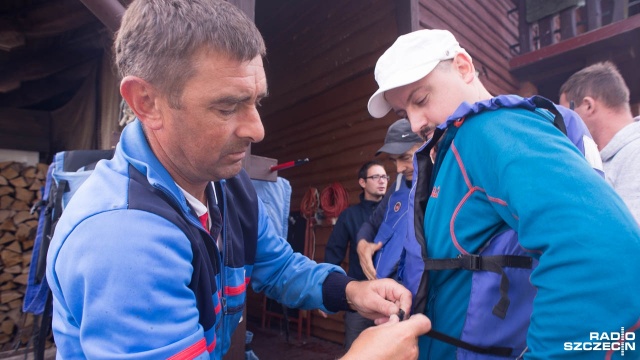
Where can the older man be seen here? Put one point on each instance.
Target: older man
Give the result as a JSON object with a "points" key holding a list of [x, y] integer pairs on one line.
{"points": [[152, 256]]}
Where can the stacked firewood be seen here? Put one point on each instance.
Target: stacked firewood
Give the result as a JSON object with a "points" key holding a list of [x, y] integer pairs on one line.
{"points": [[20, 189]]}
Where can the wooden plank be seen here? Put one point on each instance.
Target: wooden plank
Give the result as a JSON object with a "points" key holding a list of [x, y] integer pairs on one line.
{"points": [[568, 27], [594, 14], [620, 10], [546, 31], [523, 28], [407, 16]]}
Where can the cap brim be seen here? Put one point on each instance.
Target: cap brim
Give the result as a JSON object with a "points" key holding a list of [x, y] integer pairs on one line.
{"points": [[378, 106], [395, 148]]}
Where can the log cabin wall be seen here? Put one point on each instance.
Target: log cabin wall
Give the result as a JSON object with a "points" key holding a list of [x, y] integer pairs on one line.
{"points": [[319, 64]]}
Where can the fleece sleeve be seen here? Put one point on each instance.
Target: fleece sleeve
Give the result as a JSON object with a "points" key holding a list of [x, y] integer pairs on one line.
{"points": [[292, 278], [587, 242]]}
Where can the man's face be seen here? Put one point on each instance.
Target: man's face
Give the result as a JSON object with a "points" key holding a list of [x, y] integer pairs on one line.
{"points": [[208, 137], [429, 101], [404, 162], [374, 189]]}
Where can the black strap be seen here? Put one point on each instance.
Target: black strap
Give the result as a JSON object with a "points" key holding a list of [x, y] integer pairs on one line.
{"points": [[44, 329], [558, 120], [53, 210], [493, 263], [491, 350]]}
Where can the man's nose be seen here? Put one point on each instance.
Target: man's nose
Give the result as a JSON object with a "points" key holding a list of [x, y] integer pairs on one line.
{"points": [[251, 126]]}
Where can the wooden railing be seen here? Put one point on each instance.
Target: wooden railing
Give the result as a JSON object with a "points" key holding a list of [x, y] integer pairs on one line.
{"points": [[546, 22]]}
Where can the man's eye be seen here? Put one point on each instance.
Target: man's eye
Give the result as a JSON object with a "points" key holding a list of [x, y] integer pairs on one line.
{"points": [[227, 112], [422, 101]]}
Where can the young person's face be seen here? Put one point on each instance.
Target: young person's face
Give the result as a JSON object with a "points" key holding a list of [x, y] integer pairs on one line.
{"points": [[429, 101], [374, 189]]}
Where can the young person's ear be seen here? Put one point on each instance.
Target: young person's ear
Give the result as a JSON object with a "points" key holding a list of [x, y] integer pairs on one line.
{"points": [[142, 98], [362, 182], [463, 64]]}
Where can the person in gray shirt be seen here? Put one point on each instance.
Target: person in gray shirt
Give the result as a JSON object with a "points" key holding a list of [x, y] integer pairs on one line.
{"points": [[600, 96]]}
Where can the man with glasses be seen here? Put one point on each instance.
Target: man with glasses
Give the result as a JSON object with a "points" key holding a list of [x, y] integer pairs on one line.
{"points": [[373, 180]]}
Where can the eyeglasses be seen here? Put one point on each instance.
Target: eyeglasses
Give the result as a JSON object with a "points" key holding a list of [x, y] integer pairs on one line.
{"points": [[378, 177]]}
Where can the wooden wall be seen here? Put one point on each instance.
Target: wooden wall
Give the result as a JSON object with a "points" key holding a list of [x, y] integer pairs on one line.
{"points": [[319, 64]]}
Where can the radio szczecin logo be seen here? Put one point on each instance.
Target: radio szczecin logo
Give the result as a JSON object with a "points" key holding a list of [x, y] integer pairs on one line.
{"points": [[606, 341]]}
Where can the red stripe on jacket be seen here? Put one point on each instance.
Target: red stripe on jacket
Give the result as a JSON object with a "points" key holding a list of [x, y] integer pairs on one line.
{"points": [[192, 351]]}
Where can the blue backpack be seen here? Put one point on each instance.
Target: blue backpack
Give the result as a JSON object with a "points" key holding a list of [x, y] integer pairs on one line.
{"points": [[66, 173], [503, 255]]}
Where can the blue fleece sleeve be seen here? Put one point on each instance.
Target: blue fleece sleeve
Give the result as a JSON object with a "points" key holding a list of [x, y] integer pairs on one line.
{"points": [[587, 242], [120, 283], [286, 276]]}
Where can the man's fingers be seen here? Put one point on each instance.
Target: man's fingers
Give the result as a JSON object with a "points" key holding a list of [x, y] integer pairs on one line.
{"points": [[418, 324], [377, 246]]}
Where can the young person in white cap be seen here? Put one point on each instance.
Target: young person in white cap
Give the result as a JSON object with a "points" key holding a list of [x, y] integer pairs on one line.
{"points": [[519, 249]]}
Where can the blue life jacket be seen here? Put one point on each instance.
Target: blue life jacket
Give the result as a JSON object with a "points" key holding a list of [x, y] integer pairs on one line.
{"points": [[392, 232], [502, 255]]}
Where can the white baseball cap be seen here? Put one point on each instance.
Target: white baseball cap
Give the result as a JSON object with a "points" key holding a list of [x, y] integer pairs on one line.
{"points": [[410, 58]]}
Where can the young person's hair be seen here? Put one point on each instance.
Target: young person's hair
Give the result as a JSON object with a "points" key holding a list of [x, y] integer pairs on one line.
{"points": [[364, 169]]}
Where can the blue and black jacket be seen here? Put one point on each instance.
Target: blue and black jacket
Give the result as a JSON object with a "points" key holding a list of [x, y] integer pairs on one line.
{"points": [[135, 275]]}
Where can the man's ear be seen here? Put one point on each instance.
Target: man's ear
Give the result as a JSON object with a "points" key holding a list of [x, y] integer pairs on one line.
{"points": [[362, 182], [142, 98], [589, 105], [463, 64]]}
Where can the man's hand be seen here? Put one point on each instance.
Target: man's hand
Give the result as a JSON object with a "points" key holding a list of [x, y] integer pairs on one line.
{"points": [[393, 340], [378, 299], [365, 251]]}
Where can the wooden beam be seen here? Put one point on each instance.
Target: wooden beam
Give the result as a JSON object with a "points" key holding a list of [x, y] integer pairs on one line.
{"points": [[407, 16], [594, 14], [568, 23], [109, 12], [629, 28], [524, 29]]}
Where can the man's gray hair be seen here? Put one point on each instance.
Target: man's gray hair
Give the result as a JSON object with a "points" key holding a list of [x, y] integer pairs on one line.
{"points": [[158, 39]]}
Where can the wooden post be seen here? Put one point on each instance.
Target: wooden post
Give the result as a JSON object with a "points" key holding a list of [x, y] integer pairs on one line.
{"points": [[523, 28], [568, 23], [594, 14]]}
